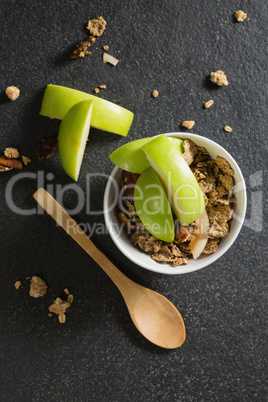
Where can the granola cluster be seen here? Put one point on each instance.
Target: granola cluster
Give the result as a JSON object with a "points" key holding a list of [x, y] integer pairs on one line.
{"points": [[82, 47], [219, 78], [96, 28], [240, 15], [216, 181], [12, 92], [38, 287]]}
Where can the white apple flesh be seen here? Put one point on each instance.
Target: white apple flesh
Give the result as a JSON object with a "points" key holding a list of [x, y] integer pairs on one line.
{"points": [[106, 116], [181, 187]]}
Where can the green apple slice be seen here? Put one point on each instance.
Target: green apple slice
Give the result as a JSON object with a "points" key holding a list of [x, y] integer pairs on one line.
{"points": [[181, 187], [152, 206], [106, 116], [73, 134], [131, 157]]}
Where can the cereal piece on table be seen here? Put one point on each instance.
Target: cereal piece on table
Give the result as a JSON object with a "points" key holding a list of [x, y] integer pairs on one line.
{"points": [[62, 318], [219, 77], [240, 15], [188, 124], [208, 104], [38, 287], [105, 47], [155, 93], [82, 47], [59, 306], [228, 129], [96, 27], [11, 153], [96, 90], [12, 92], [17, 284], [25, 160]]}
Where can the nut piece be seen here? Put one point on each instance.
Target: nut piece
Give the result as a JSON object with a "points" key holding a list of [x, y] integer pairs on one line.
{"points": [[208, 104], [188, 124], [66, 290], [96, 90], [105, 47], [38, 287], [228, 129], [25, 160], [17, 284], [96, 27], [155, 93], [240, 15], [103, 86], [11, 153], [12, 92], [10, 162], [219, 78]]}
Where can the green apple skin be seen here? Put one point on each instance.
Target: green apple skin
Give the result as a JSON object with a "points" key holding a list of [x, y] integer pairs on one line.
{"points": [[130, 156], [73, 135], [106, 115], [181, 187], [152, 206]]}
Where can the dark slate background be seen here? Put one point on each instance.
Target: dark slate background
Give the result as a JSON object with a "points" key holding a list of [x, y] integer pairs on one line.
{"points": [[98, 355]]}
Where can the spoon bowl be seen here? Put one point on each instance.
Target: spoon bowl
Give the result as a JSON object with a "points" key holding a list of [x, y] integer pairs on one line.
{"points": [[154, 316]]}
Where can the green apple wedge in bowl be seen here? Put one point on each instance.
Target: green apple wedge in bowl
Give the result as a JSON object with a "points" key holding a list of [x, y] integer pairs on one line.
{"points": [[143, 259]]}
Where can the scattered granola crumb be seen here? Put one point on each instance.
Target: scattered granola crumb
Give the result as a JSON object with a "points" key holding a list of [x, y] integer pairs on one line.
{"points": [[70, 298], [103, 86], [17, 284], [11, 153], [38, 287], [105, 47], [240, 15], [82, 46], [96, 90], [12, 92], [188, 124], [219, 77], [50, 314], [59, 306], [228, 129], [62, 318], [96, 27], [26, 160], [66, 290], [208, 103], [155, 93]]}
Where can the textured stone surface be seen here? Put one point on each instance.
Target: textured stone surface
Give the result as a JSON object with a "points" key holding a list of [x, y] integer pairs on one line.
{"points": [[98, 355]]}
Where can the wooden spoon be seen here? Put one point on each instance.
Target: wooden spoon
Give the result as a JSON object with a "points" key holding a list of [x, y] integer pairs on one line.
{"points": [[154, 316]]}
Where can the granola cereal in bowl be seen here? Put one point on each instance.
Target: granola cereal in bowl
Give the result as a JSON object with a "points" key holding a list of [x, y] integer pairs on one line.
{"points": [[223, 189]]}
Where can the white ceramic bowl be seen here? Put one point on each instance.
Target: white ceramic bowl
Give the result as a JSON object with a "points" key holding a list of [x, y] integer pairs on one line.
{"points": [[120, 237]]}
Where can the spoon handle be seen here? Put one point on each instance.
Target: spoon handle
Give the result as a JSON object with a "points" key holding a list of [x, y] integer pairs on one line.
{"points": [[58, 213]]}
